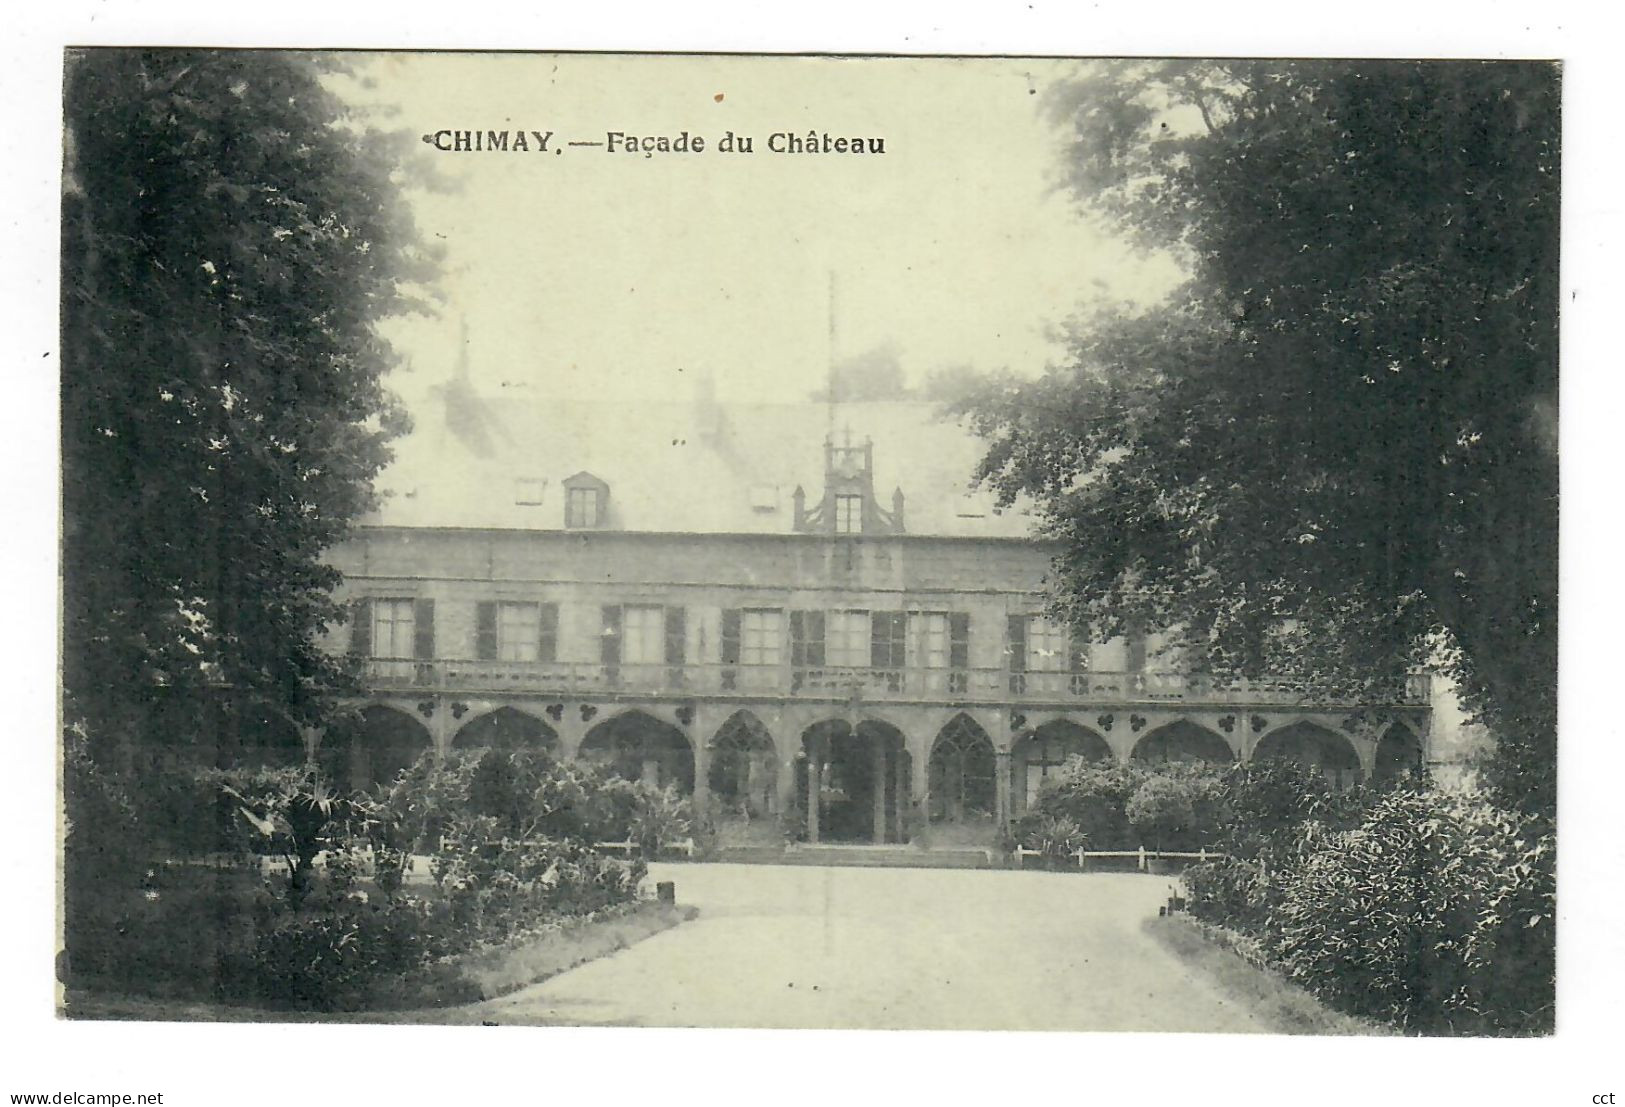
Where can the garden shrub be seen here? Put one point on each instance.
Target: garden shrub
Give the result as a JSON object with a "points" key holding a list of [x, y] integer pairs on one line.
{"points": [[333, 958], [660, 819], [1095, 797], [510, 834], [1057, 837], [1265, 804], [1230, 891], [1436, 914], [421, 802], [1162, 812]]}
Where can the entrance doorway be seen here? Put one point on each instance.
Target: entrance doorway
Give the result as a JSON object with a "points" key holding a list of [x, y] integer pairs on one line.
{"points": [[852, 783]]}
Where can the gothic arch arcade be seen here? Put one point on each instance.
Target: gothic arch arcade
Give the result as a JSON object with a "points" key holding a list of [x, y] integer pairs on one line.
{"points": [[1399, 755], [638, 746], [962, 788], [371, 747], [743, 769], [506, 728], [1042, 752], [1183, 740], [1314, 748], [852, 783]]}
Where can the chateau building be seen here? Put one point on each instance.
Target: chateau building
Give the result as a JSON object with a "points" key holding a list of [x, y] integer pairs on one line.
{"points": [[800, 616]]}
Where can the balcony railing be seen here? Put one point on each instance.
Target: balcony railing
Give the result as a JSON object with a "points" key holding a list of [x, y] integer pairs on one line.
{"points": [[564, 678]]}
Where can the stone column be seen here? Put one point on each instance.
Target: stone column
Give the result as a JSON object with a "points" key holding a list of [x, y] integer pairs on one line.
{"points": [[899, 789], [815, 775], [571, 730], [698, 730], [919, 796], [880, 790], [784, 785], [1001, 789]]}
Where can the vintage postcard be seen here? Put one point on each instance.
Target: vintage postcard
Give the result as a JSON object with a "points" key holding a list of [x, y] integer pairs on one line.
{"points": [[810, 542]]}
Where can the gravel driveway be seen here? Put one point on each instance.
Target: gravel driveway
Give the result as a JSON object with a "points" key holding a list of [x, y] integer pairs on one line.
{"points": [[892, 949]]}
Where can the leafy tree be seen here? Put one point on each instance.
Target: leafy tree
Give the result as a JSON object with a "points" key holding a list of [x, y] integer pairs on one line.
{"points": [[1332, 452], [231, 233]]}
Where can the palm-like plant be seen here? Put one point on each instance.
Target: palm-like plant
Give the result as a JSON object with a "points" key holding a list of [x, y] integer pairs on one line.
{"points": [[296, 814]]}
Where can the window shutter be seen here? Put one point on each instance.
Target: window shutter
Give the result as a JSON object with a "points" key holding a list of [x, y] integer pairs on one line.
{"points": [[959, 640], [547, 649], [485, 630], [1016, 649], [609, 643], [423, 629], [361, 628], [730, 637], [798, 639], [815, 639], [806, 639], [676, 635]]}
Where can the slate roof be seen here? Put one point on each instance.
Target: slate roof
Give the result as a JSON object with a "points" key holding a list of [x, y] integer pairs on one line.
{"points": [[700, 467]]}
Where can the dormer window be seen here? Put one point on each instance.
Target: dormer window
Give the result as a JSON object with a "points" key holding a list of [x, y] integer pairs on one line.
{"points": [[585, 499], [584, 508], [848, 514]]}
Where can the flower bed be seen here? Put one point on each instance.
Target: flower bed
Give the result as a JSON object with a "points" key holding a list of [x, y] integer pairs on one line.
{"points": [[340, 920]]}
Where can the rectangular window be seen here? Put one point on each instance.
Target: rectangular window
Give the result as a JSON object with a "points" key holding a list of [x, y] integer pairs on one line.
{"points": [[394, 628], [847, 638], [643, 635], [1049, 647], [959, 651], [932, 630], [518, 631], [761, 637], [583, 508], [888, 639], [1015, 652], [848, 514]]}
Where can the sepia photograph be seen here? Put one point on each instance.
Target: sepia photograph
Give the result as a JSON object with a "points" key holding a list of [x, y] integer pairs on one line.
{"points": [[809, 541]]}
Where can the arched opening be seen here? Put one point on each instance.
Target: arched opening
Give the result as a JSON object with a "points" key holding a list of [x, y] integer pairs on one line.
{"points": [[852, 782], [961, 789], [506, 728], [1183, 740], [1041, 753], [638, 746], [1315, 749], [1399, 756], [742, 772], [371, 748], [743, 769]]}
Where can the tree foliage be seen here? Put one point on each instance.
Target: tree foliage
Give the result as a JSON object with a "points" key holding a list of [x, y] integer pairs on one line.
{"points": [[1332, 452], [231, 233]]}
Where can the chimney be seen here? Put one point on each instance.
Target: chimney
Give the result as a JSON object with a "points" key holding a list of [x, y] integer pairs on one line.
{"points": [[897, 511]]}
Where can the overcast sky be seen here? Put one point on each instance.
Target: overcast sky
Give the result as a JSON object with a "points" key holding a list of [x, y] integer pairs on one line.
{"points": [[620, 275]]}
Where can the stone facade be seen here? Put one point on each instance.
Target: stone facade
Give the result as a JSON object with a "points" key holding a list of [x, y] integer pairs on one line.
{"points": [[921, 643], [833, 676]]}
